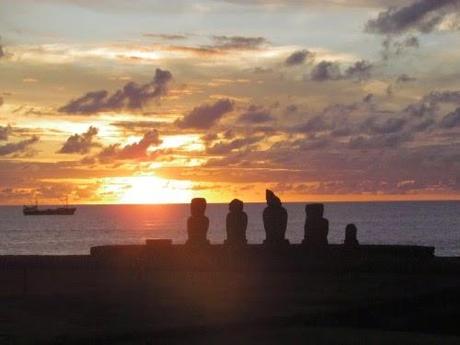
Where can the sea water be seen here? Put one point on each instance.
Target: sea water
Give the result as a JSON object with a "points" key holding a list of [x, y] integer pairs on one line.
{"points": [[421, 223]]}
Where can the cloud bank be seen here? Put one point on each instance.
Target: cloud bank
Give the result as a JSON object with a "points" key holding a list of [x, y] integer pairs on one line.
{"points": [[132, 96], [422, 15], [206, 115], [80, 143]]}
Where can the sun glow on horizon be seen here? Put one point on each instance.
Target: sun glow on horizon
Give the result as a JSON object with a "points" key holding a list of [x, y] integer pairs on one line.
{"points": [[152, 190]]}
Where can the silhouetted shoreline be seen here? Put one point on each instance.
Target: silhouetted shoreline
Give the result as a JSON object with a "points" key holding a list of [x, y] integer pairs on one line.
{"points": [[234, 292], [81, 299]]}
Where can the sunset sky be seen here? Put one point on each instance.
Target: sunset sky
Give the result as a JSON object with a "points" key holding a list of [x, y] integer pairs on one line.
{"points": [[143, 101]]}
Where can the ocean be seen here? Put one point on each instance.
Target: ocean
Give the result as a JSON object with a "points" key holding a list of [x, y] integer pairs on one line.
{"points": [[422, 223]]}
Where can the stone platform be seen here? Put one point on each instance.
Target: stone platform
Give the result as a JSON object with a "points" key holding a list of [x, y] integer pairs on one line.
{"points": [[163, 255]]}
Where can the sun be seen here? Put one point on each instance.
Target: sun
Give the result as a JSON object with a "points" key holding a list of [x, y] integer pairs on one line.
{"points": [[153, 190]]}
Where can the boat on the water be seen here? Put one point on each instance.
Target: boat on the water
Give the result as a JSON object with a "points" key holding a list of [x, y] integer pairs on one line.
{"points": [[60, 211], [33, 210]]}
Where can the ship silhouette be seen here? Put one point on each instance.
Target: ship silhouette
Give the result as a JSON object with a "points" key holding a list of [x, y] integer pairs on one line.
{"points": [[34, 210]]}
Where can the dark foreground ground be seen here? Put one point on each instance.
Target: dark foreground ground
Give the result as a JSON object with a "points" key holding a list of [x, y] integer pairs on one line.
{"points": [[70, 303]]}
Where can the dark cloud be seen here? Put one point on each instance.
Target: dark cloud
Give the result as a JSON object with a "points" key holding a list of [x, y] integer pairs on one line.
{"points": [[411, 42], [5, 131], [233, 159], [80, 143], [421, 109], [392, 47], [315, 124], [360, 70], [206, 115], [443, 97], [420, 15], [404, 78], [202, 51], [255, 115], [334, 118], [311, 143], [238, 42], [221, 148], [327, 70], [209, 137], [382, 141], [383, 126], [224, 45], [451, 120], [131, 96], [135, 151], [299, 57], [19, 147], [423, 125], [151, 138], [429, 105], [166, 37], [368, 127], [2, 51]]}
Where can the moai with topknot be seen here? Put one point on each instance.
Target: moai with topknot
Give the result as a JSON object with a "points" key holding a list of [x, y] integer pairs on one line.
{"points": [[275, 219]]}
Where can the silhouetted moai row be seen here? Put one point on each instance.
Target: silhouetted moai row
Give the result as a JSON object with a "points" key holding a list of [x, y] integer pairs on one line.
{"points": [[275, 219], [274, 216]]}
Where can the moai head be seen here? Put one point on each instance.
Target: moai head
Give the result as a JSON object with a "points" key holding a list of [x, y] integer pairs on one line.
{"points": [[351, 231], [198, 207], [272, 199], [314, 211], [236, 206]]}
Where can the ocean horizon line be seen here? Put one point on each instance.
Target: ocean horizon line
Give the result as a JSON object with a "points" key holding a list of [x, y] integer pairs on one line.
{"points": [[248, 202]]}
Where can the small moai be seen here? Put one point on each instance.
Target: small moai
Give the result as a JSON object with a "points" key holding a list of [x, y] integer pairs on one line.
{"points": [[275, 220], [351, 236], [316, 227], [236, 224], [197, 223]]}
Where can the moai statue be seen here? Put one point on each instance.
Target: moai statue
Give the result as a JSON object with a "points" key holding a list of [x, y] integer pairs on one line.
{"points": [[197, 223], [275, 220], [351, 238], [316, 227], [236, 223]]}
